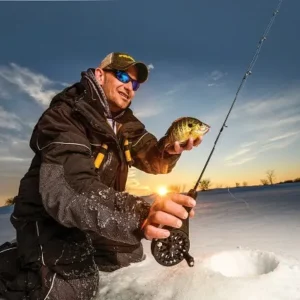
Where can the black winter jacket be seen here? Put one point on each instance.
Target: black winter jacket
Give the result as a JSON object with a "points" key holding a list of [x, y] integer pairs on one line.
{"points": [[69, 215]]}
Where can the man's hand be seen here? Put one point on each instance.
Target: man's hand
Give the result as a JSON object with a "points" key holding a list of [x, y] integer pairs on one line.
{"points": [[167, 210], [177, 149]]}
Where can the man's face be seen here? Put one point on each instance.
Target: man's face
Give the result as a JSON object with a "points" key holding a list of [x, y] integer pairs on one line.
{"points": [[119, 94]]}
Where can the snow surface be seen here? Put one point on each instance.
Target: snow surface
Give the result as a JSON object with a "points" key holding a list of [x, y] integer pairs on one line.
{"points": [[246, 245]]}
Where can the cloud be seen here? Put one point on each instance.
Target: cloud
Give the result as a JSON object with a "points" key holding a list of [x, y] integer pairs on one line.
{"points": [[280, 143], [177, 88], [237, 154], [15, 156], [150, 66], [171, 92], [9, 120], [217, 75], [214, 77], [248, 144], [147, 111], [3, 92], [258, 147], [263, 106], [284, 136], [241, 161], [277, 109], [13, 159], [37, 86], [271, 121], [288, 120], [240, 157], [14, 148]]}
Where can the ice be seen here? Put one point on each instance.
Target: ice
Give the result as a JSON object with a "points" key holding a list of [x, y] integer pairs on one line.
{"points": [[245, 243]]}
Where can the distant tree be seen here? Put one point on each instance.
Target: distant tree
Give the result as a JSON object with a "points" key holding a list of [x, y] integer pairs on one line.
{"points": [[10, 201], [205, 184], [245, 183], [270, 176], [288, 181], [264, 182], [176, 188], [237, 184], [219, 186], [297, 179]]}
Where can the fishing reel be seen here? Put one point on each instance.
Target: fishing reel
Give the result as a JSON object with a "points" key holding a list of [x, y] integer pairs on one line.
{"points": [[172, 250]]}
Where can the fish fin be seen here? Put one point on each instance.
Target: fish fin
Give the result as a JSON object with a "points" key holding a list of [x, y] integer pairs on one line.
{"points": [[178, 119]]}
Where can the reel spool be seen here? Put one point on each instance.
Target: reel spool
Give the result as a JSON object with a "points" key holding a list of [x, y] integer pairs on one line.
{"points": [[172, 250]]}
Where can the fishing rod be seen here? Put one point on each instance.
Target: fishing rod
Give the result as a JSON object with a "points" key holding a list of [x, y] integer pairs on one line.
{"points": [[171, 251]]}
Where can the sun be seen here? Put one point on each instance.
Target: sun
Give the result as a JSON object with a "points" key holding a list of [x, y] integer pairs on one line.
{"points": [[162, 190]]}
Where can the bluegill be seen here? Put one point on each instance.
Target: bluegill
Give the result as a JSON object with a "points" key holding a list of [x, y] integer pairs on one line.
{"points": [[181, 130]]}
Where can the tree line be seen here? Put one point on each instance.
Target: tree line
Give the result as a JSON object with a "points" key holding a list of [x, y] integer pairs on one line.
{"points": [[206, 185]]}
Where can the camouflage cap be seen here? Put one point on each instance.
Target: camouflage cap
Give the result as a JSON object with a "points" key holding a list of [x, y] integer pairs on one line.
{"points": [[122, 61]]}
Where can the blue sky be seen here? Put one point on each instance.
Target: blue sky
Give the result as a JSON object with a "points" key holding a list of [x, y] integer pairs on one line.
{"points": [[198, 52]]}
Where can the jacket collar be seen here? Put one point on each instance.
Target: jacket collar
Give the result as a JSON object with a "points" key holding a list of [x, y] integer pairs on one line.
{"points": [[88, 98]]}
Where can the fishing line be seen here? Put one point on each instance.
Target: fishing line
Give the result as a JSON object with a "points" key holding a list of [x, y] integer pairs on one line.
{"points": [[240, 200], [255, 211], [247, 73]]}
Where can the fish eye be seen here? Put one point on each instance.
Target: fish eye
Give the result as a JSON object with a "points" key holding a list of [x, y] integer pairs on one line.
{"points": [[190, 125]]}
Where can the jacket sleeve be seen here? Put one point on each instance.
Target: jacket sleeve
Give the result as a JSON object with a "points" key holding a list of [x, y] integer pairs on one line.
{"points": [[71, 191], [147, 156]]}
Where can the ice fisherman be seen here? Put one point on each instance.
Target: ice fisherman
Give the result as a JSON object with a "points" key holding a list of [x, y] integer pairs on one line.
{"points": [[72, 216]]}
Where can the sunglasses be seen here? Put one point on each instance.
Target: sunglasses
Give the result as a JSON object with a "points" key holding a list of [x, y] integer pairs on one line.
{"points": [[125, 78]]}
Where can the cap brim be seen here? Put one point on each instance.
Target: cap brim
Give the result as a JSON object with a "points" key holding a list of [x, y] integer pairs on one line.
{"points": [[142, 69]]}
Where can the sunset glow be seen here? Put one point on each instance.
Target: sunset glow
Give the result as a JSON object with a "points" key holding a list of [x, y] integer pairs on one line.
{"points": [[162, 190]]}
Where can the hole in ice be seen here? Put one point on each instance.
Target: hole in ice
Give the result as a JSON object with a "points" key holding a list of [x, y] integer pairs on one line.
{"points": [[242, 263]]}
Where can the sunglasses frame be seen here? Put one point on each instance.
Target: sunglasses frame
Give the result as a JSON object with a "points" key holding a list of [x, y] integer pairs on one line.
{"points": [[135, 83]]}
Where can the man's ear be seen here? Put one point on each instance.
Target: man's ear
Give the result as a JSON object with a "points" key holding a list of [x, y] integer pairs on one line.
{"points": [[99, 74]]}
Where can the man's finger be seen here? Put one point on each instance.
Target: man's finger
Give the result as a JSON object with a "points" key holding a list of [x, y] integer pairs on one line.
{"points": [[152, 232], [182, 199], [177, 147], [198, 141], [189, 145], [166, 219], [172, 207], [173, 204], [192, 213]]}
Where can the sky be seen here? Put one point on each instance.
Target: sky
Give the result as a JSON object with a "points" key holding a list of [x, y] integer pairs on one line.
{"points": [[245, 244], [197, 54]]}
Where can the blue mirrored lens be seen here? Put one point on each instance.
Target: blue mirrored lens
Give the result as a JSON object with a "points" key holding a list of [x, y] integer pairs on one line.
{"points": [[125, 78], [135, 85]]}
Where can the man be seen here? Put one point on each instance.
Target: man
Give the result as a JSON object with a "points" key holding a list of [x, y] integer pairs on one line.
{"points": [[71, 215]]}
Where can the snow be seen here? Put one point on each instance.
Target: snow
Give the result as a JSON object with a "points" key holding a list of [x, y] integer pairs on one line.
{"points": [[245, 242]]}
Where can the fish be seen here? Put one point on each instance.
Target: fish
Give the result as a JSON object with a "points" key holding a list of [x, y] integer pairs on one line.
{"points": [[181, 130]]}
